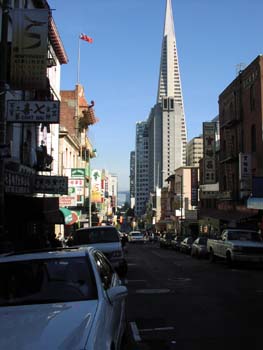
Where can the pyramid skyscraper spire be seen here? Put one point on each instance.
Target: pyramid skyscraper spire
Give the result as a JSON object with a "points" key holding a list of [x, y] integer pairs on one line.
{"points": [[169, 77]]}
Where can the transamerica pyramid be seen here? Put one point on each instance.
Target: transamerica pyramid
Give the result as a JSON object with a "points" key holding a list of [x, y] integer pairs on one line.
{"points": [[169, 78], [166, 122]]}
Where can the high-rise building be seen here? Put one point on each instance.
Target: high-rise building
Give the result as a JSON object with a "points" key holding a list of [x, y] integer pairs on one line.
{"points": [[132, 179], [141, 168], [194, 151], [166, 122]]}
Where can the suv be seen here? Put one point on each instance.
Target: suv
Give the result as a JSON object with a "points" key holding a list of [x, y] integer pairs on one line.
{"points": [[104, 238]]}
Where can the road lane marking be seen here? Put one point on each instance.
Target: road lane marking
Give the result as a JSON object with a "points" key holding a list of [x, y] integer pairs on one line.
{"points": [[135, 332], [157, 329], [152, 291]]}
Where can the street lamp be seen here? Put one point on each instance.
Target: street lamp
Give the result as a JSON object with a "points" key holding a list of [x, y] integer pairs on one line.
{"points": [[92, 154]]}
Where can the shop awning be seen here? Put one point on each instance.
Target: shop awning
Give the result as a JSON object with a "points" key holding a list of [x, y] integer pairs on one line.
{"points": [[70, 217]]}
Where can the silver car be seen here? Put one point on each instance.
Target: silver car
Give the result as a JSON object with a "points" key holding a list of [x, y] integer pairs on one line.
{"points": [[199, 247], [136, 237]]}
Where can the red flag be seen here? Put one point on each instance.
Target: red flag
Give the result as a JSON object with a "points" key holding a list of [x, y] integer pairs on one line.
{"points": [[86, 38]]}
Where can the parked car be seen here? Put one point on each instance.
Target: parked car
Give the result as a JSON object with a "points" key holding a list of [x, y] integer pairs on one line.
{"points": [[236, 245], [63, 299], [106, 239], [199, 247], [176, 242], [186, 245], [136, 237], [166, 239]]}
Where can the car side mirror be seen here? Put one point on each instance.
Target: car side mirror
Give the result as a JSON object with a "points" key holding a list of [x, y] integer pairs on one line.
{"points": [[117, 293]]}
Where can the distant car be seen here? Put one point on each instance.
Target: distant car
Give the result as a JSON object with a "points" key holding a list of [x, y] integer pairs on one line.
{"points": [[106, 239], [136, 237], [176, 242], [166, 240], [186, 245], [66, 299], [199, 247]]}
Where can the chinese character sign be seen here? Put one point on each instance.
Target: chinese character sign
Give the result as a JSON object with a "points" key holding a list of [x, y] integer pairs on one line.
{"points": [[33, 111], [96, 186], [209, 129]]}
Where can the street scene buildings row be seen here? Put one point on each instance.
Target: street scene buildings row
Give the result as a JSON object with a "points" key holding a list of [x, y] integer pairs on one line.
{"points": [[214, 180], [45, 151]]}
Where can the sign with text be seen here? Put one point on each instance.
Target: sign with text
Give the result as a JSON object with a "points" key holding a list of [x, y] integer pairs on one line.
{"points": [[209, 130], [51, 184], [67, 201], [194, 187], [29, 48], [78, 172], [33, 111], [96, 186]]}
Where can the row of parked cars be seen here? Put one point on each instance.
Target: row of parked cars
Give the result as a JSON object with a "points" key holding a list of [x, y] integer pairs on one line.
{"points": [[196, 247], [65, 298]]}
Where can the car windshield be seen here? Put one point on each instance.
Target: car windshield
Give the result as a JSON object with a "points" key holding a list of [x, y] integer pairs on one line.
{"points": [[96, 235], [137, 234], [46, 281], [244, 236]]}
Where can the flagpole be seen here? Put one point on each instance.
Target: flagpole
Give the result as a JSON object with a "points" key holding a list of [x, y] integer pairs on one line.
{"points": [[78, 60]]}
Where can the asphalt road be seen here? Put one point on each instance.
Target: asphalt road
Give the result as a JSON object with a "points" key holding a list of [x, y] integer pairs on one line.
{"points": [[178, 302]]}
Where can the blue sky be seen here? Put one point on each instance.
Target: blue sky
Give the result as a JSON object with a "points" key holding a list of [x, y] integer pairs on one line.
{"points": [[120, 69]]}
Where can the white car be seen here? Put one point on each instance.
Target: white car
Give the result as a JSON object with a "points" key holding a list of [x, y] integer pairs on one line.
{"points": [[136, 236], [61, 300]]}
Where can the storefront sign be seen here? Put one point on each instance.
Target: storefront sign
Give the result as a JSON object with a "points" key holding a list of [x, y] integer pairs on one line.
{"points": [[51, 184], [33, 111], [194, 187], [78, 172], [67, 201], [18, 183], [209, 130], [96, 186], [29, 48]]}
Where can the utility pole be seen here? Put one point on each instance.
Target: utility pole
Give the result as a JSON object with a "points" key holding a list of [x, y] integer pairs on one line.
{"points": [[3, 82]]}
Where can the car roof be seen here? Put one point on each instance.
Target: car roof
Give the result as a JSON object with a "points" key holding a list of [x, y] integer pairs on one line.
{"points": [[46, 254]]}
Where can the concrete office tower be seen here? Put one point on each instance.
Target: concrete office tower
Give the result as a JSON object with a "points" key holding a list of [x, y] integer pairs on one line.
{"points": [[194, 151], [132, 179], [166, 122], [141, 168]]}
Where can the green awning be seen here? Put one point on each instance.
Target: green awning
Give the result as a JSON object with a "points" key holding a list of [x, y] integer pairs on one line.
{"points": [[67, 215]]}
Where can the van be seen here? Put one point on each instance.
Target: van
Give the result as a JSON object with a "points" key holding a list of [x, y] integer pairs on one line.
{"points": [[107, 240]]}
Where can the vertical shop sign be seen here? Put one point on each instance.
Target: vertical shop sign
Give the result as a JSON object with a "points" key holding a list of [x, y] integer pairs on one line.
{"points": [[209, 129], [96, 186], [29, 48], [194, 187]]}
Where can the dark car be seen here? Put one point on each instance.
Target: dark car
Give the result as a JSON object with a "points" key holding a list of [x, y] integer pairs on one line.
{"points": [[199, 247], [186, 245], [166, 239], [176, 242]]}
